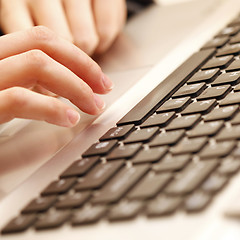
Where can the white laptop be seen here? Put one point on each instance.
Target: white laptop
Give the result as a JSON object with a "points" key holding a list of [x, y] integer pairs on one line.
{"points": [[162, 161]]}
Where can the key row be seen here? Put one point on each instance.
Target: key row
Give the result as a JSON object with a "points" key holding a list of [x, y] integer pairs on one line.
{"points": [[128, 209]]}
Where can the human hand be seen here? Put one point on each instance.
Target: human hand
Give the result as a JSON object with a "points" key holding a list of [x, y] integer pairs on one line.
{"points": [[38, 57], [92, 25]]}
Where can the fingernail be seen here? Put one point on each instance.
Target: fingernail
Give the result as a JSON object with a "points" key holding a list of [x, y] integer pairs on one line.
{"points": [[73, 117], [108, 84], [99, 102]]}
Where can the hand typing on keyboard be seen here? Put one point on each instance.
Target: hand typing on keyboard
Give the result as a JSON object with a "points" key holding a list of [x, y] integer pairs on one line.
{"points": [[38, 57], [92, 25]]}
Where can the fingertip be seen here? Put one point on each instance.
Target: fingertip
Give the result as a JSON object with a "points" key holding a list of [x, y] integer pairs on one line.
{"points": [[73, 117], [99, 103], [88, 43], [107, 83]]}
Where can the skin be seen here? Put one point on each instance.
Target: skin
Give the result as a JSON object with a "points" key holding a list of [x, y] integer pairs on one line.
{"points": [[92, 25], [39, 58]]}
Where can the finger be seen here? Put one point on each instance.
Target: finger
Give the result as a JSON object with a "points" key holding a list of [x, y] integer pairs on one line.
{"points": [[82, 25], [42, 90], [36, 68], [60, 50], [51, 14], [14, 16], [19, 102], [110, 17]]}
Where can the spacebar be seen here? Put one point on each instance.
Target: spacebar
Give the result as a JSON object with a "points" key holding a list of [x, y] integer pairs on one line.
{"points": [[154, 99]]}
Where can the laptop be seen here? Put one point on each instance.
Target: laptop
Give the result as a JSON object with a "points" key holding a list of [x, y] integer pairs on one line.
{"points": [[161, 162]]}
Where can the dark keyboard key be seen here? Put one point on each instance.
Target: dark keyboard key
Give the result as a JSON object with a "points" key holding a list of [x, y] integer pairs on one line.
{"points": [[99, 175], [219, 149], [150, 155], [59, 186], [184, 122], [236, 119], [202, 107], [172, 163], [141, 135], [227, 78], [235, 39], [19, 224], [174, 105], [88, 215], [125, 211], [124, 151], [191, 177], [149, 186], [167, 138], [234, 66], [204, 76], [52, 220], [214, 183], [189, 145], [231, 133], [117, 132], [229, 31], [72, 200], [192, 90], [197, 202], [100, 148], [236, 152], [230, 99], [153, 100], [232, 49], [120, 184], [217, 92], [163, 205], [219, 62], [80, 167], [223, 113], [40, 204], [160, 120], [237, 88], [229, 166], [205, 129], [216, 42]]}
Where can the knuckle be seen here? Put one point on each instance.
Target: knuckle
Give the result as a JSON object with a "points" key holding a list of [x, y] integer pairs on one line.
{"points": [[41, 34], [53, 110], [36, 58], [16, 97], [53, 106], [68, 37]]}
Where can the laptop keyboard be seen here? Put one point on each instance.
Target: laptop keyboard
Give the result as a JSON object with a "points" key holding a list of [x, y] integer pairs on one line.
{"points": [[174, 151]]}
